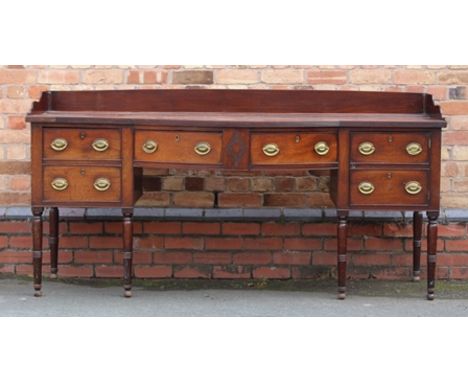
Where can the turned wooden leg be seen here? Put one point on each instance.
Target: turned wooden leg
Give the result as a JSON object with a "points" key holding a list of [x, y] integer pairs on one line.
{"points": [[127, 250], [417, 233], [37, 249], [53, 241], [342, 231], [431, 253]]}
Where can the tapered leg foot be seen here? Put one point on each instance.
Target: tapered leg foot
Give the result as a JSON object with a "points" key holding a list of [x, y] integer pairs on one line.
{"points": [[37, 290], [431, 253], [53, 275], [342, 230], [127, 293], [37, 249], [416, 276], [417, 234], [127, 250], [53, 241]]}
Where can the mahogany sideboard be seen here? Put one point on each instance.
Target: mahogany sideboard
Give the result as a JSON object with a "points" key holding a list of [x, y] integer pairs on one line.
{"points": [[382, 150]]}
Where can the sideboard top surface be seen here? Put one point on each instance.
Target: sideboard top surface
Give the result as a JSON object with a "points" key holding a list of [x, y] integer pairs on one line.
{"points": [[239, 108]]}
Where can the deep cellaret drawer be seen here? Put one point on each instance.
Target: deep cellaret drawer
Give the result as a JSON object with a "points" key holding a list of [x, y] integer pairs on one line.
{"points": [[81, 184], [81, 144], [389, 187]]}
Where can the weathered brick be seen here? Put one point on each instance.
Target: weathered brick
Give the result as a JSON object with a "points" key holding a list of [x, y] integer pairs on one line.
{"points": [[292, 258], [16, 91], [154, 77], [103, 76], [192, 77], [239, 200], [263, 243], [282, 76], [210, 257], [370, 76], [454, 107], [93, 257], [224, 243], [280, 229], [262, 184], [172, 257], [193, 272], [236, 76], [173, 183], [252, 258], [76, 271], [272, 273], [201, 228], [183, 243], [322, 76], [241, 228], [194, 183], [15, 122], [302, 244], [231, 272], [453, 77], [238, 184], [414, 76], [194, 199], [17, 76], [154, 271], [59, 77], [162, 228]]}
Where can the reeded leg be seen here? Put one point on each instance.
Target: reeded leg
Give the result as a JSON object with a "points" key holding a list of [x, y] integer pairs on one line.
{"points": [[127, 250], [37, 249], [53, 241], [342, 231], [417, 233], [431, 253]]}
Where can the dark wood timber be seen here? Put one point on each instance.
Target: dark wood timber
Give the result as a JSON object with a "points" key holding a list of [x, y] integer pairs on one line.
{"points": [[110, 136], [127, 250], [37, 249], [417, 234], [342, 234], [431, 252], [53, 240]]}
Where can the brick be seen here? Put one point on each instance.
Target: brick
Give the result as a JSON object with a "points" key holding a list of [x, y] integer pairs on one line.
{"points": [[383, 244], [116, 227], [199, 199], [322, 229], [212, 258], [93, 257], [59, 77], [193, 272], [459, 123], [448, 259], [20, 242], [154, 77], [409, 245], [302, 244], [194, 183], [17, 92], [371, 259], [271, 273], [283, 184], [241, 228], [75, 271], [155, 271], [447, 200], [453, 77], [17, 76], [337, 77], [370, 76], [224, 243], [282, 76], [152, 183], [456, 245], [291, 199], [15, 198], [367, 229], [450, 169], [173, 183], [15, 167], [238, 184], [201, 228], [16, 123], [183, 243], [352, 244], [163, 228], [192, 77], [391, 273], [460, 153], [16, 152], [7, 269], [263, 243], [138, 257], [103, 76], [78, 228], [35, 91], [292, 258], [239, 200], [280, 229], [454, 107], [14, 257], [459, 273], [148, 242], [323, 258], [109, 271], [215, 183], [413, 76], [15, 227], [262, 184], [24, 269], [231, 272], [172, 257], [133, 77], [252, 258], [15, 106], [398, 230], [105, 242], [306, 184], [236, 76]]}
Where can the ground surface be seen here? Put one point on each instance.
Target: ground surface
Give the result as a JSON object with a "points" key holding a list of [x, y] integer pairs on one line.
{"points": [[314, 298]]}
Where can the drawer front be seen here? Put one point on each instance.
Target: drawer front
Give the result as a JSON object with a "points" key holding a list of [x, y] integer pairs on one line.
{"points": [[389, 188], [390, 147], [178, 147], [82, 144], [290, 148], [81, 184]]}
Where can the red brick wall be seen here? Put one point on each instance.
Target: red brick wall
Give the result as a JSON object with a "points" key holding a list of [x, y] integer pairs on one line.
{"points": [[230, 250], [20, 86]]}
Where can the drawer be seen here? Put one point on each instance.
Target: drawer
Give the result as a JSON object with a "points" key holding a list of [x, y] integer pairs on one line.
{"points": [[389, 188], [178, 147], [390, 147], [290, 148], [82, 144], [81, 184]]}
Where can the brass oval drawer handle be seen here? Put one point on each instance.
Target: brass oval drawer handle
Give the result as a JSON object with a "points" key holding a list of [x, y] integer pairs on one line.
{"points": [[202, 148], [59, 144], [414, 148], [366, 148], [413, 187], [321, 148], [100, 144], [59, 184], [150, 147], [102, 184], [271, 149], [366, 188]]}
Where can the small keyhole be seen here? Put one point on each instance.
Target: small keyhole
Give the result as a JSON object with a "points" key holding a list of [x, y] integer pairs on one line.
{"points": [[82, 135], [82, 172], [390, 139], [298, 138], [389, 175], [177, 138]]}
